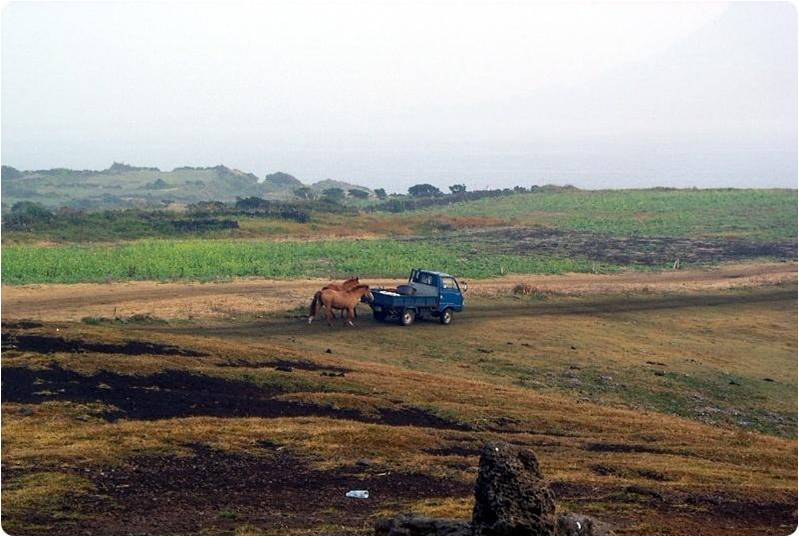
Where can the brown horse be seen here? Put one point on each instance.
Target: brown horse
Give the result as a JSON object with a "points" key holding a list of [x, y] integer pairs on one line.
{"points": [[346, 285], [332, 299]]}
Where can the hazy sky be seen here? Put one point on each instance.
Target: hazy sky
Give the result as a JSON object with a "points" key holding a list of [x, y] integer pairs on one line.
{"points": [[395, 93]]}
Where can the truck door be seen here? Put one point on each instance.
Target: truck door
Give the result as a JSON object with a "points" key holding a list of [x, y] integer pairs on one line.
{"points": [[450, 294]]}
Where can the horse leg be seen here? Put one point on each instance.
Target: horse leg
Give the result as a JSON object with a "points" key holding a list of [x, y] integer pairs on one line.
{"points": [[350, 315], [329, 315]]}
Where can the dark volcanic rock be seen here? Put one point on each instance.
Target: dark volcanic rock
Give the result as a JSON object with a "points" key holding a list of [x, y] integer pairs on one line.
{"points": [[577, 524], [511, 496], [409, 524]]}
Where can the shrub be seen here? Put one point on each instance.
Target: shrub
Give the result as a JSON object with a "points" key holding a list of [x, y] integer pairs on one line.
{"points": [[424, 190]]}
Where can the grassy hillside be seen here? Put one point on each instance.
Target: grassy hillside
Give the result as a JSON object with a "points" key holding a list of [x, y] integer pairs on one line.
{"points": [[758, 214]]}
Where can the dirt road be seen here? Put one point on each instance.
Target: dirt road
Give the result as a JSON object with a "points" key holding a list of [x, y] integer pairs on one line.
{"points": [[260, 297]]}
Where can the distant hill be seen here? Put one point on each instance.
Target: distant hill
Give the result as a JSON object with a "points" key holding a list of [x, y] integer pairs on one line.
{"points": [[280, 185], [321, 186], [123, 186]]}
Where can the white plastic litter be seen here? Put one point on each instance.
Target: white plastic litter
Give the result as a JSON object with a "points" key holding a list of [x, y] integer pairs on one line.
{"points": [[363, 494]]}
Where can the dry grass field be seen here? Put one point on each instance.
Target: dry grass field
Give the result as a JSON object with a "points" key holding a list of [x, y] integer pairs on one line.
{"points": [[658, 402]]}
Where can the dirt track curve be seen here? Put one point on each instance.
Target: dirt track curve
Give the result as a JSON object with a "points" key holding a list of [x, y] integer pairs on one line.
{"points": [[259, 297]]}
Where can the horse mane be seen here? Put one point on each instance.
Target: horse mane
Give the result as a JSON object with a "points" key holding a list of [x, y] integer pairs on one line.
{"points": [[359, 287]]}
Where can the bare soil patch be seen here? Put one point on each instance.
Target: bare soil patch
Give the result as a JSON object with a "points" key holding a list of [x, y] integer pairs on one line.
{"points": [[177, 394], [286, 365], [697, 513], [631, 250], [21, 325], [623, 448], [455, 450], [218, 491], [43, 344]]}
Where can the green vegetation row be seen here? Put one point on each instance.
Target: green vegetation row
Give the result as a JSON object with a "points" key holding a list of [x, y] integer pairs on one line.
{"points": [[27, 220], [758, 215], [746, 213], [215, 259]]}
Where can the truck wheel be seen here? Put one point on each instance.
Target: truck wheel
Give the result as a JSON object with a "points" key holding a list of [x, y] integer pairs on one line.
{"points": [[445, 317], [407, 317], [379, 315]]}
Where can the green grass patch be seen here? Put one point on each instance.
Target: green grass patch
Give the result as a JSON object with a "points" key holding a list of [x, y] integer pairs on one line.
{"points": [[209, 260]]}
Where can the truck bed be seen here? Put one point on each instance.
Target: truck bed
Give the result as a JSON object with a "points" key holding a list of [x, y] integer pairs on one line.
{"points": [[392, 300]]}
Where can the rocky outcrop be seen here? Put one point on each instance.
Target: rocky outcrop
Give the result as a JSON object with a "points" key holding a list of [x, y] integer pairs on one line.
{"points": [[511, 498]]}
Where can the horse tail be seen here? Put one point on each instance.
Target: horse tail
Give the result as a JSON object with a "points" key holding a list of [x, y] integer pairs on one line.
{"points": [[314, 306]]}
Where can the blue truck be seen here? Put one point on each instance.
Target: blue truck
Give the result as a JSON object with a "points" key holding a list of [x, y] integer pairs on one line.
{"points": [[428, 293]]}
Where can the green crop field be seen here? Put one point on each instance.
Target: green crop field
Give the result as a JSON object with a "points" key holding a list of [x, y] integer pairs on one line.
{"points": [[207, 259], [734, 219], [753, 214]]}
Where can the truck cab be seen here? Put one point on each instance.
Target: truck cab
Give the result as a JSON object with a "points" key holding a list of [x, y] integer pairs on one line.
{"points": [[427, 293], [444, 286]]}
